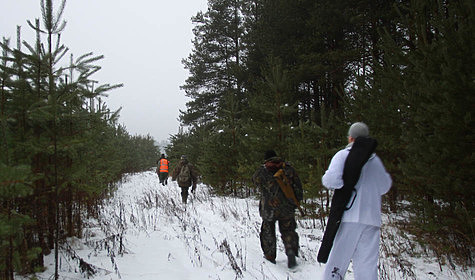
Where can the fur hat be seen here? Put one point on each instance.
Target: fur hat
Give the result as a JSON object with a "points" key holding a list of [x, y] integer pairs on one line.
{"points": [[269, 154], [358, 129]]}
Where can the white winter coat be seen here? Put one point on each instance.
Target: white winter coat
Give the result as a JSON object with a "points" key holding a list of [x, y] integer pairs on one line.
{"points": [[373, 183]]}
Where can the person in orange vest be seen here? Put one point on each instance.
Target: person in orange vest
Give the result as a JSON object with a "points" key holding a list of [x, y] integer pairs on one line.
{"points": [[162, 170]]}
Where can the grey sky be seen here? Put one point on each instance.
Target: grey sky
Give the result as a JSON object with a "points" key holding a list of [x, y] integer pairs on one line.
{"points": [[143, 42]]}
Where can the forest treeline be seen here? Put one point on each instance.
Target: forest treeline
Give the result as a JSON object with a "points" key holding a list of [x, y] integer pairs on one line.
{"points": [[293, 75], [61, 147]]}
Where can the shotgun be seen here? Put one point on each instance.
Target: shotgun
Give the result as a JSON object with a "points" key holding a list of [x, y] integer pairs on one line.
{"points": [[284, 185]]}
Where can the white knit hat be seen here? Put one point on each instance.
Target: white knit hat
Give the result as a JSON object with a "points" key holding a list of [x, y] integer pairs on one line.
{"points": [[358, 129]]}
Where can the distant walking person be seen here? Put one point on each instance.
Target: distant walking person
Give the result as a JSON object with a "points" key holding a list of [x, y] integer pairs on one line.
{"points": [[186, 176], [162, 170], [357, 237], [280, 194]]}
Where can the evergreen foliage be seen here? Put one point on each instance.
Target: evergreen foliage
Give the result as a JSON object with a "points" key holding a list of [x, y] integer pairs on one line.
{"points": [[293, 75], [436, 100], [59, 152]]}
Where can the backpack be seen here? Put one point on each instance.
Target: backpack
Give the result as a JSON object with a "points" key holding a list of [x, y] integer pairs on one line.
{"points": [[184, 177]]}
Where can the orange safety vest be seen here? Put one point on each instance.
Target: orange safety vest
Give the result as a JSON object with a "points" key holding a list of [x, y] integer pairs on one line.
{"points": [[163, 165]]}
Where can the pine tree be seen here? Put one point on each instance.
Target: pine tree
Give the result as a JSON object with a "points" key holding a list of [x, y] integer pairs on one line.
{"points": [[420, 110], [58, 156], [439, 127]]}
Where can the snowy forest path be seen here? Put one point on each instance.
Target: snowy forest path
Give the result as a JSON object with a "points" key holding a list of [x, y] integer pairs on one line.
{"points": [[148, 233], [143, 231]]}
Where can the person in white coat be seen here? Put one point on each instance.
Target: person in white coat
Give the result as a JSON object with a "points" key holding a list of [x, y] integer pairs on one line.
{"points": [[358, 236]]}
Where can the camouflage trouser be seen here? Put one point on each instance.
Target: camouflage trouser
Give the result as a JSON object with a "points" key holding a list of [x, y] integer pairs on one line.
{"points": [[289, 236]]}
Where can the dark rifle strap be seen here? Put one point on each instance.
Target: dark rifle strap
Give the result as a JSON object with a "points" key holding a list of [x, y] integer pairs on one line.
{"points": [[359, 154]]}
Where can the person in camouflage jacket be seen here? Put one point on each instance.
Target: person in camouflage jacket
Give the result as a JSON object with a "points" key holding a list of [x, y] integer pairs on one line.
{"points": [[275, 206], [193, 180]]}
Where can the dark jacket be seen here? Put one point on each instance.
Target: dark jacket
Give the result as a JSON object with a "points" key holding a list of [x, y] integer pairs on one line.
{"points": [[194, 173], [273, 204]]}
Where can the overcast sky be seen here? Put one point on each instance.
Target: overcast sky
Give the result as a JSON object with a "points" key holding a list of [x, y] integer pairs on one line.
{"points": [[143, 42]]}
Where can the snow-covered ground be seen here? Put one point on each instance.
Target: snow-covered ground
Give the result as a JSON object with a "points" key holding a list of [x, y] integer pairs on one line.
{"points": [[145, 232]]}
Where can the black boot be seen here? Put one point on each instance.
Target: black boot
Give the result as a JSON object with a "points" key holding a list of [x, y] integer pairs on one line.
{"points": [[291, 262], [270, 258]]}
